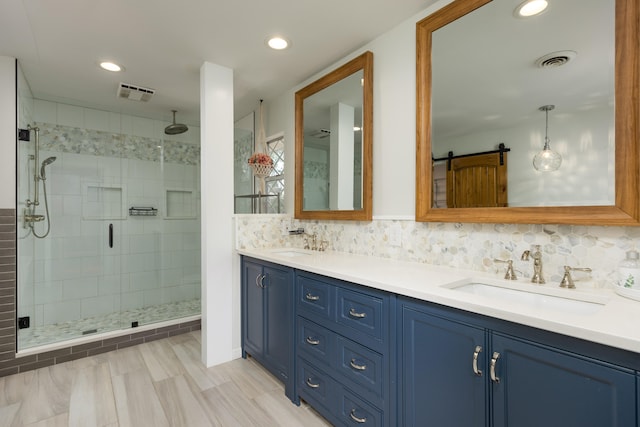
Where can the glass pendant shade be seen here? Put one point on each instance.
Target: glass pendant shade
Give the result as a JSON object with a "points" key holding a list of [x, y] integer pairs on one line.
{"points": [[547, 160]]}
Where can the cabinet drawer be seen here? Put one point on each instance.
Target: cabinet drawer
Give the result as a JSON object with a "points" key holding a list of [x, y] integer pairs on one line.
{"points": [[360, 365], [361, 312], [353, 411], [315, 340], [315, 296], [315, 385]]}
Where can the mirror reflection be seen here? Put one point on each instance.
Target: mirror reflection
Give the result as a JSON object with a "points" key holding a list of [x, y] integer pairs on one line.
{"points": [[334, 144], [489, 89]]}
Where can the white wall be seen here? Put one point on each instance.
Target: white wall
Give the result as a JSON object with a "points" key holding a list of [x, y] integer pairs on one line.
{"points": [[220, 263], [7, 132]]}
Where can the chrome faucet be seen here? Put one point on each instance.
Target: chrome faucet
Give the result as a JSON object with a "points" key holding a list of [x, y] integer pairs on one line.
{"points": [[537, 264], [314, 242]]}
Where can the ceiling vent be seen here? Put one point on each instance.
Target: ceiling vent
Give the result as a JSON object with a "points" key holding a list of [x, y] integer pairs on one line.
{"points": [[135, 93], [321, 133], [555, 59]]}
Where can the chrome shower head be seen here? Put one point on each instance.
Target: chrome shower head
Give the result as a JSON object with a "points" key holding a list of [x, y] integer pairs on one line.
{"points": [[46, 162], [175, 128]]}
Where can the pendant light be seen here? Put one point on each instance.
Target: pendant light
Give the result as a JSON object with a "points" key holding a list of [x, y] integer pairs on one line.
{"points": [[547, 160]]}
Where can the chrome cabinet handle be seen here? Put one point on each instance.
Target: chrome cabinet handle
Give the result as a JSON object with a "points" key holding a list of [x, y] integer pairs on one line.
{"points": [[257, 279], [494, 361], [357, 367], [353, 416], [354, 313], [310, 297], [312, 341], [476, 353], [312, 385], [260, 280]]}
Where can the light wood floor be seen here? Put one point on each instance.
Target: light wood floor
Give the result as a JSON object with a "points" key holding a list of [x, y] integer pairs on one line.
{"points": [[161, 383]]}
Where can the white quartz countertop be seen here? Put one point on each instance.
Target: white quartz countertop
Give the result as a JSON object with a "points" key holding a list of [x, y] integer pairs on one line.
{"points": [[614, 320]]}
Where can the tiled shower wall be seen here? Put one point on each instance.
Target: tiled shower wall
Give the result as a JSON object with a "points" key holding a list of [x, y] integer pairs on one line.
{"points": [[457, 245], [7, 286]]}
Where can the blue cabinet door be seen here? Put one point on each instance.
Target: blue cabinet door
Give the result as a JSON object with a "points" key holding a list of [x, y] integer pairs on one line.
{"points": [[438, 384], [268, 323], [252, 309], [279, 321], [541, 386]]}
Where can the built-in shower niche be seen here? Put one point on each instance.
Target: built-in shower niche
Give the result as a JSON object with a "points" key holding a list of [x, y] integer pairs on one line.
{"points": [[180, 203], [103, 201]]}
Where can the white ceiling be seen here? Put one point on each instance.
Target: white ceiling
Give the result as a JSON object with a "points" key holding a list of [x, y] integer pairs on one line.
{"points": [[163, 43], [485, 80]]}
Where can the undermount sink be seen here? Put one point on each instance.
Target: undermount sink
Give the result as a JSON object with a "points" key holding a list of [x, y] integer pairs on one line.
{"points": [[536, 298], [291, 252]]}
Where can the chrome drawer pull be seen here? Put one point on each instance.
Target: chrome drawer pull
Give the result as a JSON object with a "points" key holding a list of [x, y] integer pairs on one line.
{"points": [[354, 313], [262, 277], [476, 353], [352, 414], [312, 341], [492, 371], [357, 367], [311, 297], [312, 385]]}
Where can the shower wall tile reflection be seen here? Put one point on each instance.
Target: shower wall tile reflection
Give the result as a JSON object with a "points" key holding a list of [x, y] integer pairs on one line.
{"points": [[99, 173]]}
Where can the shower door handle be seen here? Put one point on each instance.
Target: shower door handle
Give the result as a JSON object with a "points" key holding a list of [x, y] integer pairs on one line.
{"points": [[110, 235]]}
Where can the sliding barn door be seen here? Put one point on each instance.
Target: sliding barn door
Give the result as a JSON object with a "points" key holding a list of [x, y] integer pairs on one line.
{"points": [[477, 181]]}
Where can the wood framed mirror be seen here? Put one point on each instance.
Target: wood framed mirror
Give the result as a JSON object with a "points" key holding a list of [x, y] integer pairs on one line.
{"points": [[333, 148], [623, 210]]}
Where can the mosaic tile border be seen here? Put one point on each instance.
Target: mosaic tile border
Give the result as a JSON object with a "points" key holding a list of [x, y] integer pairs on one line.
{"points": [[99, 143]]}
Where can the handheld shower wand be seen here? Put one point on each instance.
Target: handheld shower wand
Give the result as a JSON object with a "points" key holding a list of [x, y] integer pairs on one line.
{"points": [[47, 162]]}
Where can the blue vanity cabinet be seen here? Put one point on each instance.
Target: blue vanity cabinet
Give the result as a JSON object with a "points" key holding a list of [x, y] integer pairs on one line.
{"points": [[268, 321], [344, 351], [458, 368]]}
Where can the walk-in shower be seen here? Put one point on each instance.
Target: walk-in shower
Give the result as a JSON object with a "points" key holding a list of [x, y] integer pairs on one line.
{"points": [[110, 229]]}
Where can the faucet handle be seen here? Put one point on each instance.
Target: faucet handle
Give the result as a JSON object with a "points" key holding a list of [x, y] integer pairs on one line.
{"points": [[510, 273], [567, 280]]}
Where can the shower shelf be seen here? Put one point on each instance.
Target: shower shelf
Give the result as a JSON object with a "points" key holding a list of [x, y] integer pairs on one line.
{"points": [[133, 211]]}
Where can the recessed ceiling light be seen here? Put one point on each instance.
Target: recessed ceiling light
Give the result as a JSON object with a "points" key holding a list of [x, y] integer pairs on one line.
{"points": [[277, 43], [530, 8], [111, 66]]}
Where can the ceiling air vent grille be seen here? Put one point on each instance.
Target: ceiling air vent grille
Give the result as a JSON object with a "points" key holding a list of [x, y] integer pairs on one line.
{"points": [[321, 133], [555, 59], [135, 93]]}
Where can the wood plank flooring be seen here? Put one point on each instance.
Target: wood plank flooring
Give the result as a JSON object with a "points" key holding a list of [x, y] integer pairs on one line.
{"points": [[161, 383]]}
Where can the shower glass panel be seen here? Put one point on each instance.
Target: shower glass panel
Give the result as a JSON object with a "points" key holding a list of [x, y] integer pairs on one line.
{"points": [[124, 246]]}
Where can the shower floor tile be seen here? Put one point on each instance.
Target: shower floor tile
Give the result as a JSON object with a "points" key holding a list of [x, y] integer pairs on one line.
{"points": [[48, 334]]}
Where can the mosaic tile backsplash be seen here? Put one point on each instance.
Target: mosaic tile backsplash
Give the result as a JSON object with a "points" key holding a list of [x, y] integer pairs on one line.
{"points": [[465, 246]]}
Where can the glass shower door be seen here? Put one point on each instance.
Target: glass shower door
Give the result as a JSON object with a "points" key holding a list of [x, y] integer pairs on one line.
{"points": [[69, 278]]}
